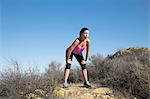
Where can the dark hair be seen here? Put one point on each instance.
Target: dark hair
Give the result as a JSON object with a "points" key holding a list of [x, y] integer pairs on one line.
{"points": [[83, 29]]}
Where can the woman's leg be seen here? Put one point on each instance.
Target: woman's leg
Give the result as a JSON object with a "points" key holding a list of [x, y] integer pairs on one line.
{"points": [[84, 71], [66, 74], [81, 61], [67, 69]]}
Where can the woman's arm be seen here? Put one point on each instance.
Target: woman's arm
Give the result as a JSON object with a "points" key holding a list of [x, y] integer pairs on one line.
{"points": [[88, 49], [71, 48]]}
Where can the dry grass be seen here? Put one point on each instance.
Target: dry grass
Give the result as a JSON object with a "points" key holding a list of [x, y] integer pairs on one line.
{"points": [[17, 85]]}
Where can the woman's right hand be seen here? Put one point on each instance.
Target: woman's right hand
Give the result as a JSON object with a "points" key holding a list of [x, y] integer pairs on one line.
{"points": [[69, 61]]}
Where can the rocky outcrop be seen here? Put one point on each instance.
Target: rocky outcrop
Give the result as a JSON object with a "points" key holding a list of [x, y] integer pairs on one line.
{"points": [[76, 91]]}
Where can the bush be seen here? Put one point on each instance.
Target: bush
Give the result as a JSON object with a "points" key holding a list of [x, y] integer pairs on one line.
{"points": [[55, 72], [96, 68], [75, 75], [127, 72], [14, 84]]}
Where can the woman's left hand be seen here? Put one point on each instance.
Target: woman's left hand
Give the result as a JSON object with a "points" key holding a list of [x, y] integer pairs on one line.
{"points": [[83, 62]]}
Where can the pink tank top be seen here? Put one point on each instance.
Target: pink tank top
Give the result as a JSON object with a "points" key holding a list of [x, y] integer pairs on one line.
{"points": [[78, 49]]}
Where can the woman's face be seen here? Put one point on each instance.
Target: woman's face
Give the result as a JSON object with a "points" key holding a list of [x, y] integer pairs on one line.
{"points": [[85, 34]]}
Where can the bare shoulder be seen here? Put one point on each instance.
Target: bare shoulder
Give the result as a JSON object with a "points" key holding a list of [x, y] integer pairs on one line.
{"points": [[76, 41]]}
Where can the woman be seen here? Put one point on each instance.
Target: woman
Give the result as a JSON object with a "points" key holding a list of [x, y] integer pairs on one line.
{"points": [[76, 50]]}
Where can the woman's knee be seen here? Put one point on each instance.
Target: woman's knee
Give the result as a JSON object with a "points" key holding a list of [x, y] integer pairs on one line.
{"points": [[68, 66], [83, 64]]}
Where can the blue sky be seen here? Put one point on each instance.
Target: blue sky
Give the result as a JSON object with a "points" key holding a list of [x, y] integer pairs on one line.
{"points": [[36, 32]]}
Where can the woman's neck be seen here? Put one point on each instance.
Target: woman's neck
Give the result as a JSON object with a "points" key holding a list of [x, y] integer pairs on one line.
{"points": [[81, 39]]}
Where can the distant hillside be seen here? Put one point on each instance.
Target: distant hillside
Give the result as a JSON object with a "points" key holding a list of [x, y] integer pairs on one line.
{"points": [[128, 51]]}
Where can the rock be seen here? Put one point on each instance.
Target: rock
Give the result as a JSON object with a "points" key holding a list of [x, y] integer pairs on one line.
{"points": [[75, 91], [40, 92], [102, 90], [59, 91], [33, 96]]}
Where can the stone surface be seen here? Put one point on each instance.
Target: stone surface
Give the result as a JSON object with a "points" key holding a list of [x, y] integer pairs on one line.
{"points": [[75, 91]]}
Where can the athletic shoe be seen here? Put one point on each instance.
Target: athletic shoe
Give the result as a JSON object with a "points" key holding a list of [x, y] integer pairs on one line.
{"points": [[87, 84]]}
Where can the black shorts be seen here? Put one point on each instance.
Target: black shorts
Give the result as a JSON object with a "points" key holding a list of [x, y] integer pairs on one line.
{"points": [[79, 57]]}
